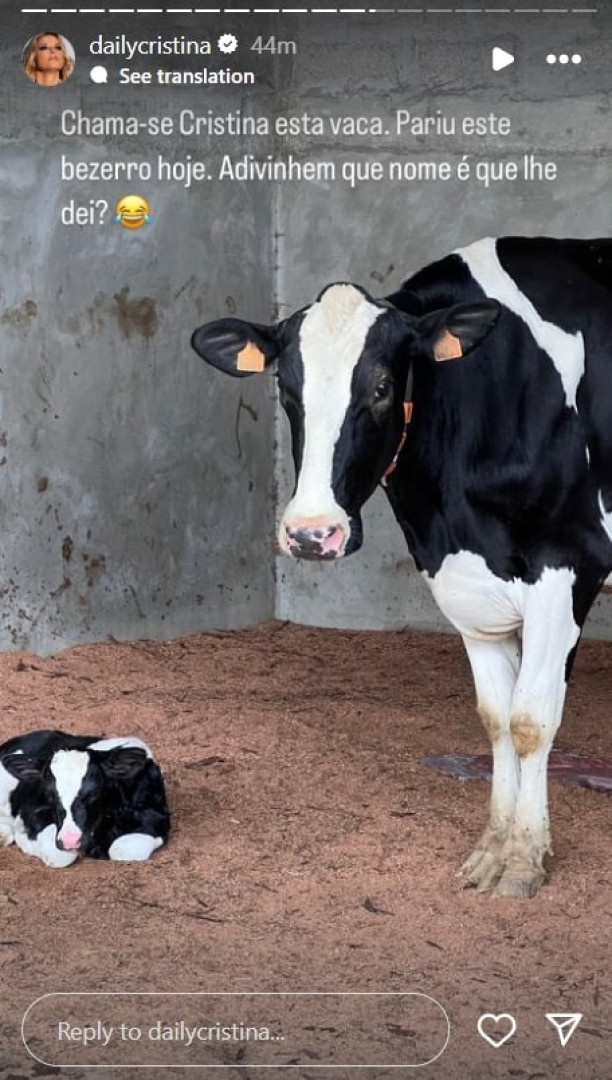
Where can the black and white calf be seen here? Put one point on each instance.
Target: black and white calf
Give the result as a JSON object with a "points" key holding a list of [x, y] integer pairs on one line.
{"points": [[62, 796], [501, 481]]}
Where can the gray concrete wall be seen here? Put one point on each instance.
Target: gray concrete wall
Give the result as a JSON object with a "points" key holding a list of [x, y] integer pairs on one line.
{"points": [[137, 487]]}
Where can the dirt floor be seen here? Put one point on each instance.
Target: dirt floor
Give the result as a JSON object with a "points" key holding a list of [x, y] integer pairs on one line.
{"points": [[311, 851]]}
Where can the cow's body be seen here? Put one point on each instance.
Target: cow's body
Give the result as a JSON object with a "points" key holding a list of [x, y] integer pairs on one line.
{"points": [[502, 486], [63, 795]]}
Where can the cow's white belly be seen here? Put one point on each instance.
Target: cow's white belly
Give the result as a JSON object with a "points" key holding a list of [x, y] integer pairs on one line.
{"points": [[478, 603]]}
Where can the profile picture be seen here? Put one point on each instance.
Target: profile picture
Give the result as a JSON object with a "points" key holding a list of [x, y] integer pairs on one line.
{"points": [[48, 59]]}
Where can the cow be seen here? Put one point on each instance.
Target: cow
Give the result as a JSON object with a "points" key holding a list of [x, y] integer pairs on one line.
{"points": [[63, 795], [480, 395]]}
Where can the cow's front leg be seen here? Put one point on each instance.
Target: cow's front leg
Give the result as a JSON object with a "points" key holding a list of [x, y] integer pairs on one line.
{"points": [[495, 667], [550, 633]]}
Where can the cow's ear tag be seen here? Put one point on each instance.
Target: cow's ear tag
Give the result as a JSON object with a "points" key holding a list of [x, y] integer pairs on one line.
{"points": [[447, 347], [250, 358]]}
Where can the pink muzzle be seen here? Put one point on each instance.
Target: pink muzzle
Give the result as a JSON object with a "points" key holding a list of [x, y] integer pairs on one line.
{"points": [[313, 539], [69, 839]]}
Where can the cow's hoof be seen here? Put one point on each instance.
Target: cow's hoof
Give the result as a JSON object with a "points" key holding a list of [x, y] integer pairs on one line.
{"points": [[516, 885], [481, 871], [486, 864]]}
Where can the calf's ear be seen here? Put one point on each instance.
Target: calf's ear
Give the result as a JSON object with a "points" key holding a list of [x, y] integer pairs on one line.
{"points": [[454, 332], [21, 767], [238, 348], [123, 762]]}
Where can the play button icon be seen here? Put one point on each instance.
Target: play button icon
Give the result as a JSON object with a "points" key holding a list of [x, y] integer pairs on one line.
{"points": [[501, 59]]}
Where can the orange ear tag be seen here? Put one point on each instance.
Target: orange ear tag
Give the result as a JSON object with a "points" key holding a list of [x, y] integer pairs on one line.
{"points": [[250, 358], [447, 347]]}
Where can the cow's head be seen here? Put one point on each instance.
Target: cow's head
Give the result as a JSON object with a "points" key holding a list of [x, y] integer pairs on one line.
{"points": [[342, 366], [79, 787]]}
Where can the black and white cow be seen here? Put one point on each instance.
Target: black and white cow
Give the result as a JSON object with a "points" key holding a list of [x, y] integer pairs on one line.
{"points": [[501, 483], [62, 796]]}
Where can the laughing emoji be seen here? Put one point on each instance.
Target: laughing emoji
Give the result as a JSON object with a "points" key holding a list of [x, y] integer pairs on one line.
{"points": [[132, 211]]}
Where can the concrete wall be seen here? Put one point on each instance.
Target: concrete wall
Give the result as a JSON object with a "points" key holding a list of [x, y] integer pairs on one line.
{"points": [[137, 486]]}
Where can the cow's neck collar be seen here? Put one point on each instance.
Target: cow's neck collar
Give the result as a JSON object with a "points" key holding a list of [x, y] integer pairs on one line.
{"points": [[384, 480], [407, 419]]}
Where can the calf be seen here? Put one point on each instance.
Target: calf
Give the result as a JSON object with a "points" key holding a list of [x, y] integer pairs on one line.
{"points": [[62, 796], [480, 394]]}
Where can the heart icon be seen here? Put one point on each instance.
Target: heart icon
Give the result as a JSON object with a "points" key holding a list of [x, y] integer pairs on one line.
{"points": [[501, 1028]]}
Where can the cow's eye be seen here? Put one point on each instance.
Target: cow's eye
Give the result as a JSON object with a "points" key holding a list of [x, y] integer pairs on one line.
{"points": [[383, 390]]}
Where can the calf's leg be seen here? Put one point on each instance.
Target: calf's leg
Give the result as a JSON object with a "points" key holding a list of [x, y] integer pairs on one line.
{"points": [[133, 847]]}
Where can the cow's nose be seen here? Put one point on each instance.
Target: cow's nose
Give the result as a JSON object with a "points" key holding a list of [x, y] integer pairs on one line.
{"points": [[315, 542], [69, 841]]}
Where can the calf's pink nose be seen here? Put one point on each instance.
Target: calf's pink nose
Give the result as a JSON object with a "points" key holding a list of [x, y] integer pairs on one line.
{"points": [[69, 839]]}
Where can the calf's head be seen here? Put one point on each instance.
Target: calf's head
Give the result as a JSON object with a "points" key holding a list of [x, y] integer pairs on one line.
{"points": [[342, 366], [79, 787]]}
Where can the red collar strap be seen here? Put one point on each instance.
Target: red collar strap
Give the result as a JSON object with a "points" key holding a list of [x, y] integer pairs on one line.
{"points": [[392, 467]]}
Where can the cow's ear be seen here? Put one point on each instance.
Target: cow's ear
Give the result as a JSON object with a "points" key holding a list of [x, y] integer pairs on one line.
{"points": [[123, 761], [22, 767], [235, 347], [454, 332]]}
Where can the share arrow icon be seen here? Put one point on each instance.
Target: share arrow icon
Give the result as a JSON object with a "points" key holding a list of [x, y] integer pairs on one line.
{"points": [[565, 1023]]}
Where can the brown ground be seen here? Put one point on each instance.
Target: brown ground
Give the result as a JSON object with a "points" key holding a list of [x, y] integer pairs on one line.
{"points": [[311, 850]]}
